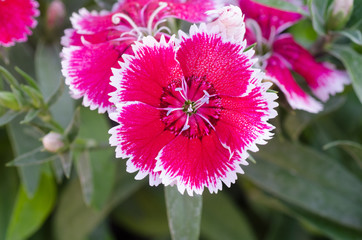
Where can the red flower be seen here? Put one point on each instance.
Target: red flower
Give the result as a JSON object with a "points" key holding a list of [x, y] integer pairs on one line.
{"points": [[189, 109], [264, 26], [98, 40], [16, 19]]}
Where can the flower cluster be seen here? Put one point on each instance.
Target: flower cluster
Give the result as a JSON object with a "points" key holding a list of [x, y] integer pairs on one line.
{"points": [[265, 26], [97, 41], [189, 108]]}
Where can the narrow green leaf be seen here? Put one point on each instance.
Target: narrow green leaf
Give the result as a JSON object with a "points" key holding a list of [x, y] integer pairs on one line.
{"points": [[28, 78], [318, 11], [8, 100], [8, 185], [29, 214], [352, 61], [144, 214], [79, 220], [221, 219], [85, 176], [73, 128], [23, 140], [48, 74], [33, 113], [306, 179], [34, 96], [56, 94], [354, 35], [36, 156], [355, 19], [58, 169], [66, 159], [8, 117], [9, 77], [297, 121], [354, 149], [184, 214], [283, 5], [95, 127]]}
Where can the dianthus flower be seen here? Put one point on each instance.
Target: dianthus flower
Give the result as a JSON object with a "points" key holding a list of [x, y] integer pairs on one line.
{"points": [[16, 19], [97, 41], [189, 109], [281, 53]]}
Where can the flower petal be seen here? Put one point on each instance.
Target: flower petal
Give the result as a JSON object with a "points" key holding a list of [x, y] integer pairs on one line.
{"points": [[243, 120], [269, 18], [224, 64], [322, 78], [87, 70], [278, 73], [139, 137], [16, 17], [197, 163], [143, 76]]}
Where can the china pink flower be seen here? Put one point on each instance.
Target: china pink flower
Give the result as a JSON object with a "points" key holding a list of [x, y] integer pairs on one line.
{"points": [[265, 26], [16, 19], [99, 39], [189, 109]]}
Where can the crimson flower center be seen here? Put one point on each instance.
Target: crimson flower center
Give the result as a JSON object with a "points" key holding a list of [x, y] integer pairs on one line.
{"points": [[190, 106]]}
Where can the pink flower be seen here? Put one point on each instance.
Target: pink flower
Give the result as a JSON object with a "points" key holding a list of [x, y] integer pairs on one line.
{"points": [[16, 19], [98, 40], [189, 109], [264, 26]]}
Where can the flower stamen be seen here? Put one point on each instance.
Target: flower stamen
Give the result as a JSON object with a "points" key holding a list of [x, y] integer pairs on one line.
{"points": [[154, 14]]}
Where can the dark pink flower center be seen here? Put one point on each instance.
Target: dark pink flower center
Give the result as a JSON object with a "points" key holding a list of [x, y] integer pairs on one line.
{"points": [[190, 106]]}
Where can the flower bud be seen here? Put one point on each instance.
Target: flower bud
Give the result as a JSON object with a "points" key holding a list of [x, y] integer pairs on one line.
{"points": [[230, 21], [55, 14], [339, 14], [53, 142], [8, 100]]}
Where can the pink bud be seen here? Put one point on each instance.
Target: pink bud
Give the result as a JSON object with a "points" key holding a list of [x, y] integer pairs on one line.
{"points": [[55, 14], [53, 142]]}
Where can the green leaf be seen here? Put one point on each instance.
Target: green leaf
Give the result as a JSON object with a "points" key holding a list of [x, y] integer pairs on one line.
{"points": [[59, 91], [95, 127], [297, 121], [307, 179], [8, 100], [85, 176], [8, 117], [66, 160], [48, 73], [79, 220], [144, 213], [73, 128], [318, 11], [352, 61], [31, 115], [355, 19], [354, 35], [184, 214], [36, 156], [221, 219], [29, 214], [22, 141], [354, 149], [8, 185], [28, 78], [9, 77], [283, 5]]}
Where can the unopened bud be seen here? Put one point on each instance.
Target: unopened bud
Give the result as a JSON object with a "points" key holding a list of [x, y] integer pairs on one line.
{"points": [[53, 142], [55, 14], [8, 100], [230, 21], [339, 14]]}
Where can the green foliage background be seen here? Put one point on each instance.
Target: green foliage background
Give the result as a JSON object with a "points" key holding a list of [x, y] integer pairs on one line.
{"points": [[306, 182]]}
